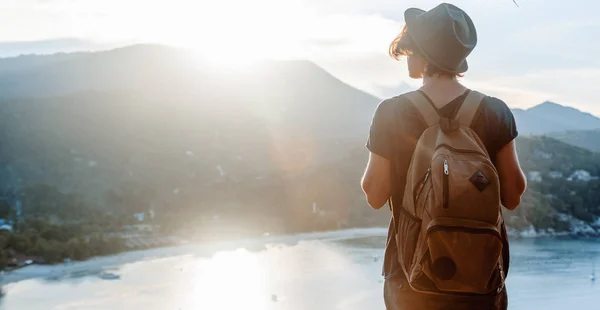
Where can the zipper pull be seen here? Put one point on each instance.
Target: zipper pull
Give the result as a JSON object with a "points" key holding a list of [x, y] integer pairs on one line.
{"points": [[446, 190]]}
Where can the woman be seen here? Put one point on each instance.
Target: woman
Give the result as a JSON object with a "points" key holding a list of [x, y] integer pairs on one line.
{"points": [[436, 44]]}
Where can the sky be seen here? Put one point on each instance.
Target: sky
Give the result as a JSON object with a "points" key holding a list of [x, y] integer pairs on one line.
{"points": [[541, 50]]}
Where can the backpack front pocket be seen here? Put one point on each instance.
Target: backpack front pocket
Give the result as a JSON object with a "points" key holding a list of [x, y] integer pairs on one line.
{"points": [[463, 256]]}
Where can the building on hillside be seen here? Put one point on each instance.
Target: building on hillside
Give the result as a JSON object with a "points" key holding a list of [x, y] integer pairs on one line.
{"points": [[534, 176], [140, 228], [555, 174], [541, 154], [581, 175], [140, 216], [144, 227], [6, 225]]}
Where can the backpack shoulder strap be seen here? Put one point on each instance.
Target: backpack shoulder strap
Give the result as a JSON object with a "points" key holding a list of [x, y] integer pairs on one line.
{"points": [[469, 108], [425, 108]]}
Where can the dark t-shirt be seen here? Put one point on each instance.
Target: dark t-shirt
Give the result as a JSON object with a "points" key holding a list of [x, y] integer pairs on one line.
{"points": [[397, 126]]}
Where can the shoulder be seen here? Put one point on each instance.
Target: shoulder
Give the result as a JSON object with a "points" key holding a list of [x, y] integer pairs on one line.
{"points": [[497, 108], [499, 123], [396, 104], [495, 104]]}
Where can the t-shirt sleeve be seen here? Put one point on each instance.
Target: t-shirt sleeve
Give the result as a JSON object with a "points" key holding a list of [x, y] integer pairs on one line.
{"points": [[502, 125], [381, 132]]}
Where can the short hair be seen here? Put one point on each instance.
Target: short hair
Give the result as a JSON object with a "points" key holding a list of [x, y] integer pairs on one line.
{"points": [[403, 45]]}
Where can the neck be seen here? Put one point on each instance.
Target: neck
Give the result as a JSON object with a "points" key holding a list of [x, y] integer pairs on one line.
{"points": [[439, 80], [442, 85]]}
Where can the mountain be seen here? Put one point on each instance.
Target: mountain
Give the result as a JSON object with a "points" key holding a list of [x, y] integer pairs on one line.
{"points": [[153, 125], [566, 124], [550, 117], [568, 116], [530, 124], [277, 146], [285, 92], [563, 191], [588, 139]]}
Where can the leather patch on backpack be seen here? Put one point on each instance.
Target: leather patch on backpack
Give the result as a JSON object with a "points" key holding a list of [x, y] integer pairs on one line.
{"points": [[444, 268], [479, 180]]}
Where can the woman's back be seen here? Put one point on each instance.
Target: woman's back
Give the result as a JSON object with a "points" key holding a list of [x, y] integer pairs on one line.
{"points": [[397, 125], [436, 44]]}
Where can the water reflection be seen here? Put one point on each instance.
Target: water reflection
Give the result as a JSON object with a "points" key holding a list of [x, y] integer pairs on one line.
{"points": [[332, 272], [229, 280]]}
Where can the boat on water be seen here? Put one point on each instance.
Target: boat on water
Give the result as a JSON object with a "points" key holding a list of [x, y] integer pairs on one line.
{"points": [[110, 276]]}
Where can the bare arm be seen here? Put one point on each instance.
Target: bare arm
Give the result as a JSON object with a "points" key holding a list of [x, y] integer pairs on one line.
{"points": [[376, 182], [512, 178]]}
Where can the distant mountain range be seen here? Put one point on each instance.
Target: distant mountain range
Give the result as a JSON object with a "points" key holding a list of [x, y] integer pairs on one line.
{"points": [[564, 123], [588, 139], [150, 125], [285, 93], [550, 117], [159, 121]]}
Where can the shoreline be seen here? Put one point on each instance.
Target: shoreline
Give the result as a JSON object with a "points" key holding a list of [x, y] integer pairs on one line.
{"points": [[99, 264], [91, 266]]}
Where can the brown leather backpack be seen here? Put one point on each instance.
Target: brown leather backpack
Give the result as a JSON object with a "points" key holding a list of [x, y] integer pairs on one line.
{"points": [[449, 227]]}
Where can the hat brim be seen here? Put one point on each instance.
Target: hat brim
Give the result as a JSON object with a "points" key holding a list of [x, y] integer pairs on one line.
{"points": [[410, 16], [410, 19], [464, 66]]}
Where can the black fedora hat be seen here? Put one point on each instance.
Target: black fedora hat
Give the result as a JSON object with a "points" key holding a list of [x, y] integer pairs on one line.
{"points": [[444, 36]]}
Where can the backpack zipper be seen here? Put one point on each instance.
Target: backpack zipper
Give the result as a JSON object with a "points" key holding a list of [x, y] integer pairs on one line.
{"points": [[419, 189], [470, 230], [446, 185], [443, 145], [463, 151]]}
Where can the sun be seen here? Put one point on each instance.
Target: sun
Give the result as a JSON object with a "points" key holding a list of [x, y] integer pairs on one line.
{"points": [[222, 35], [235, 53], [227, 32]]}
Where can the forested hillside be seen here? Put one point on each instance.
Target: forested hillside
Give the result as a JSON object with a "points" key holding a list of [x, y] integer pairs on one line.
{"points": [[278, 147]]}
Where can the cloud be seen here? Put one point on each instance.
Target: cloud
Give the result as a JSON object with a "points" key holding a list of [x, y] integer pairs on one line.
{"points": [[328, 43], [538, 51], [554, 32], [515, 97]]}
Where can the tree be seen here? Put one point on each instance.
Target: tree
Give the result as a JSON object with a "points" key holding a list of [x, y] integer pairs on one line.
{"points": [[19, 243], [78, 250], [6, 212], [3, 259]]}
